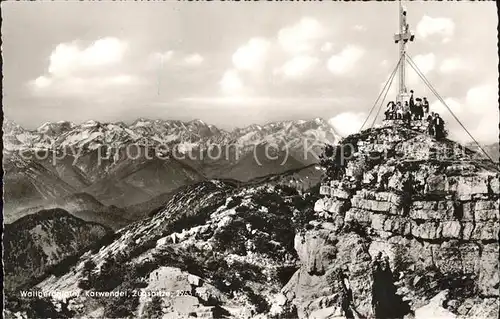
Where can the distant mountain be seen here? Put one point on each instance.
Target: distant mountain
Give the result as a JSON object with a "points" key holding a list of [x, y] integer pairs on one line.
{"points": [[127, 164], [27, 183], [493, 150], [39, 241], [80, 205], [194, 134], [261, 162], [54, 130], [136, 180], [302, 179]]}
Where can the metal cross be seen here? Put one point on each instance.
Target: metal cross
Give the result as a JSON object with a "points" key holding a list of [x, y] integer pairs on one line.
{"points": [[402, 38]]}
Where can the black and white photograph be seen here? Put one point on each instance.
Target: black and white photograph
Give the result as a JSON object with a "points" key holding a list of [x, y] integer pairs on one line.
{"points": [[250, 159]]}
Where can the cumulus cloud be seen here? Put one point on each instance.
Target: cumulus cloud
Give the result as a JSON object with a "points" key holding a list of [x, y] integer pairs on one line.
{"points": [[298, 66], [359, 27], [75, 69], [486, 128], [443, 27], [252, 55], [478, 111], [327, 47], [301, 37], [345, 61], [451, 65], [42, 82], [231, 82], [193, 59], [482, 98], [454, 105], [159, 59], [68, 58], [81, 86], [426, 63], [347, 122], [164, 56]]}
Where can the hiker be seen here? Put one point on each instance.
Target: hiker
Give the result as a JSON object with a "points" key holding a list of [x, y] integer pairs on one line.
{"points": [[407, 113], [412, 103], [430, 124], [438, 126], [376, 287], [346, 293], [389, 112], [425, 106], [419, 111], [399, 111]]}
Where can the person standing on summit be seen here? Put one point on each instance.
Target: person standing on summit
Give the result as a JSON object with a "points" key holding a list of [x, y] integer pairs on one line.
{"points": [[438, 126], [430, 124], [412, 103], [407, 114], [419, 111], [399, 111], [425, 106], [389, 112]]}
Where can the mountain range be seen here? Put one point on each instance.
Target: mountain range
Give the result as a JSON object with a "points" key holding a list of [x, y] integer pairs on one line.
{"points": [[123, 165]]}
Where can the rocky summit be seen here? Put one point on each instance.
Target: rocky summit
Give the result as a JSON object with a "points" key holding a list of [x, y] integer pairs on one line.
{"points": [[429, 208]]}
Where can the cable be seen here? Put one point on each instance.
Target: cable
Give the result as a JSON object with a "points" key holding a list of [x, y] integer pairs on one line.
{"points": [[417, 70], [378, 98], [385, 95], [383, 89]]}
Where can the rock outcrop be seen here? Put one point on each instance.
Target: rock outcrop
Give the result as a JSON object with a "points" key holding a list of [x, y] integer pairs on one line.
{"points": [[431, 206]]}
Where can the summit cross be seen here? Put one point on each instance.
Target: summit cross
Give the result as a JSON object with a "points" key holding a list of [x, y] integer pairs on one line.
{"points": [[402, 38]]}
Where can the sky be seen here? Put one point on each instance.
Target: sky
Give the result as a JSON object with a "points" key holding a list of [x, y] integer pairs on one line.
{"points": [[235, 64]]}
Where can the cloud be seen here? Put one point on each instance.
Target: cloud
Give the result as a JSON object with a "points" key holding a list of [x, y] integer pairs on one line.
{"points": [[298, 66], [478, 112], [345, 61], [455, 106], [443, 27], [347, 123], [481, 98], [231, 82], [252, 55], [486, 129], [164, 56], [426, 63], [84, 71], [42, 82], [266, 101], [359, 27], [81, 86], [68, 58], [193, 59], [300, 37], [327, 47], [451, 65]]}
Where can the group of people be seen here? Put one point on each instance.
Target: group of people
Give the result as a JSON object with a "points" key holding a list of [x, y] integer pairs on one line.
{"points": [[435, 125], [416, 109]]}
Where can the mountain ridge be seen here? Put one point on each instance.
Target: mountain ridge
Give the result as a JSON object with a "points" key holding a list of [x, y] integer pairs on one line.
{"points": [[194, 130]]}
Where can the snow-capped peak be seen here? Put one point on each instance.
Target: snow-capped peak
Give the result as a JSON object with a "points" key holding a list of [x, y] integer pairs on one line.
{"points": [[90, 123], [197, 121], [319, 120], [43, 127]]}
